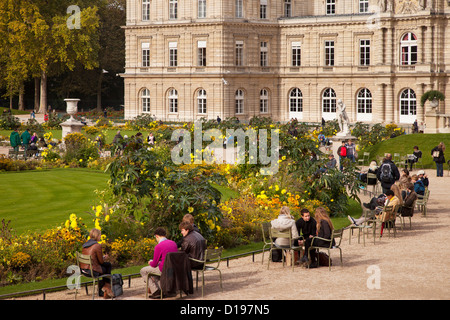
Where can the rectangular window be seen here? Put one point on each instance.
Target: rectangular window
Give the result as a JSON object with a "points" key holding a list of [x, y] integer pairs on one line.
{"points": [[173, 54], [263, 9], [239, 53], [331, 7], [173, 9], [364, 52], [239, 9], [296, 54], [263, 60], [287, 8], [201, 53], [202, 8], [145, 54], [145, 10], [329, 53], [363, 6]]}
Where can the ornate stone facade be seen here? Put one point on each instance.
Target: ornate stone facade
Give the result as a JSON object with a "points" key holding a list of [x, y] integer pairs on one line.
{"points": [[187, 59]]}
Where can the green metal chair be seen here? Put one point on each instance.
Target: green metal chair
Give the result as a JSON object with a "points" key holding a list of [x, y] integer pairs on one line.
{"points": [[370, 224], [422, 201], [265, 226], [403, 217], [86, 259], [285, 234], [337, 237], [390, 222], [211, 262], [365, 159]]}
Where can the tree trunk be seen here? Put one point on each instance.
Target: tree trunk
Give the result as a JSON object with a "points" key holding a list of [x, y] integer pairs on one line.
{"points": [[36, 94], [99, 92], [43, 98], [21, 96]]}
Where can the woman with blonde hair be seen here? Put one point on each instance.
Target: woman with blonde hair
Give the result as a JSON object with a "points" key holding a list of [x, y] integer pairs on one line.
{"points": [[324, 231], [99, 266], [285, 222]]}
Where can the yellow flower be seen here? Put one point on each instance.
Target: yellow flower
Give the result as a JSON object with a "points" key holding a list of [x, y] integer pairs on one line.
{"points": [[107, 218], [190, 209]]}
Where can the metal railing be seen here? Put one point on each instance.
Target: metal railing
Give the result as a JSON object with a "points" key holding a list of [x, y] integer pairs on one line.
{"points": [[44, 291]]}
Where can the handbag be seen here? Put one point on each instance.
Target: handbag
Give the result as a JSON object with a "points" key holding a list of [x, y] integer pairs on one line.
{"points": [[436, 154]]}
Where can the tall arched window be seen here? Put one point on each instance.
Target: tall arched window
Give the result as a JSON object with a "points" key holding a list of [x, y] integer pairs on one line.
{"points": [[145, 100], [408, 106], [201, 101], [364, 105], [296, 100], [408, 48], [239, 98], [263, 101], [329, 104], [173, 101]]}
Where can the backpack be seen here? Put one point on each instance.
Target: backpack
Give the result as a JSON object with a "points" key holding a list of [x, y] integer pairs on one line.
{"points": [[343, 152], [117, 284], [386, 173]]}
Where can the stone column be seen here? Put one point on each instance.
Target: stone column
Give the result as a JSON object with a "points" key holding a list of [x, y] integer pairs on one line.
{"points": [[390, 104], [420, 115], [381, 103]]}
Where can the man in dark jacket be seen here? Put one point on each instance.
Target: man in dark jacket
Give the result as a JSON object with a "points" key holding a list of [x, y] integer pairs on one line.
{"points": [[388, 173], [306, 226], [193, 244], [26, 138]]}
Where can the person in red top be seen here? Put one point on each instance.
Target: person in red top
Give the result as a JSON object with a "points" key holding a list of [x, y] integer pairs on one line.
{"points": [[156, 265]]}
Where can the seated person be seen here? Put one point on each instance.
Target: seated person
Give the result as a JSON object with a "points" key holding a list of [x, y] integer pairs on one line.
{"points": [[331, 164], [283, 222], [424, 178], [324, 230], [306, 226], [156, 265], [386, 215], [193, 244], [189, 218], [99, 266], [407, 210], [419, 187], [416, 155]]}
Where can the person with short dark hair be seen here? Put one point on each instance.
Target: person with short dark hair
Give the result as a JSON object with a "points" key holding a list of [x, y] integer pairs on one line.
{"points": [[306, 226], [193, 244], [156, 265], [387, 173]]}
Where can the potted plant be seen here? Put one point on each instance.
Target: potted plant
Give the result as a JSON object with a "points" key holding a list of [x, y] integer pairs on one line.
{"points": [[433, 96]]}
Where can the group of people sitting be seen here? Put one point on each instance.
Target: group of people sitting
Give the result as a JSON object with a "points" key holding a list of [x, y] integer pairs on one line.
{"points": [[192, 243], [303, 231], [398, 189]]}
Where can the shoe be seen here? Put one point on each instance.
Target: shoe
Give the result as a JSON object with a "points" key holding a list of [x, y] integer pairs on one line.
{"points": [[313, 265], [108, 294], [352, 220], [156, 294], [304, 258]]}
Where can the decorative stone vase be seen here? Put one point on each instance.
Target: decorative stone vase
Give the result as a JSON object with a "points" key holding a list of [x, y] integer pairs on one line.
{"points": [[71, 125], [72, 107], [434, 103]]}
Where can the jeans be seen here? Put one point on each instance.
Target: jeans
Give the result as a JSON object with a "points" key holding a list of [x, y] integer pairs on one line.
{"points": [[440, 169]]}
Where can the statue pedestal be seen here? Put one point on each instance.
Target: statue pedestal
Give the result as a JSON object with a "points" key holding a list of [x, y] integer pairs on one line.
{"points": [[437, 122], [337, 142], [71, 125]]}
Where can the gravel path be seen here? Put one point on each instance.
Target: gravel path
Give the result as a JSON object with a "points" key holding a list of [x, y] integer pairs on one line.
{"points": [[414, 265]]}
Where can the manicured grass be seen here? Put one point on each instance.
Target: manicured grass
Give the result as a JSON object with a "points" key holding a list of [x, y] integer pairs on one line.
{"points": [[404, 145], [39, 200]]}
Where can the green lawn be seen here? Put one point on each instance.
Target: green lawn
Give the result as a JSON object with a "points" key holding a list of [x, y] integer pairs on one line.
{"points": [[38, 200], [404, 145]]}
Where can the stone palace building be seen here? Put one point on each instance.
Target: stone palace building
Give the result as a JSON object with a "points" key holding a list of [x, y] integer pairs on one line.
{"points": [[284, 59]]}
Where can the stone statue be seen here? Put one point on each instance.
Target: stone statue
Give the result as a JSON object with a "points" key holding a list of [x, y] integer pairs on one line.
{"points": [[382, 5], [342, 118], [390, 5], [422, 4]]}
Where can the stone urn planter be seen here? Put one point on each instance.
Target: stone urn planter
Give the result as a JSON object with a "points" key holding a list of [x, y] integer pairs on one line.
{"points": [[71, 125]]}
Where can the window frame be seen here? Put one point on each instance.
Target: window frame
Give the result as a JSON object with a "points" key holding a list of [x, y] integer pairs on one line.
{"points": [[173, 100]]}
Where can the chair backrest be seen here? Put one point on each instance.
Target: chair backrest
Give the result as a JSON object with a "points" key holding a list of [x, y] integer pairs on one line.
{"points": [[213, 256], [286, 234], [84, 259], [337, 236], [265, 226]]}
